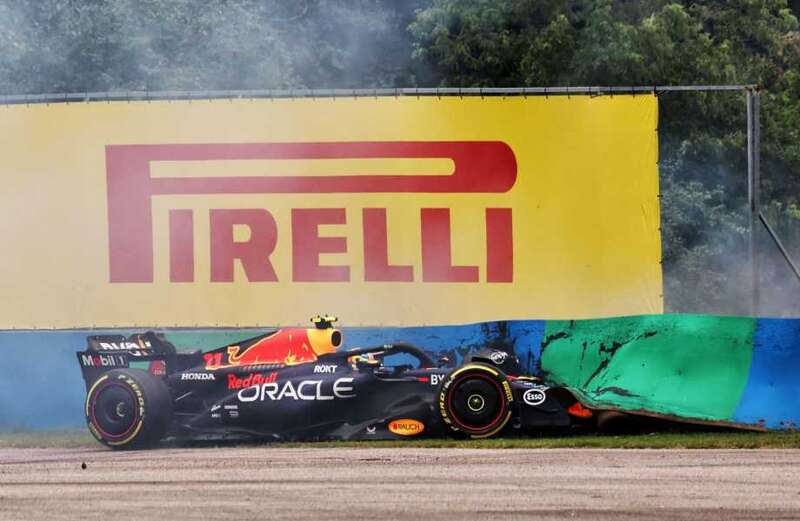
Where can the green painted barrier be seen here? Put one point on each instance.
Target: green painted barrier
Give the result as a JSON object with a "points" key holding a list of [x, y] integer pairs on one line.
{"points": [[690, 366]]}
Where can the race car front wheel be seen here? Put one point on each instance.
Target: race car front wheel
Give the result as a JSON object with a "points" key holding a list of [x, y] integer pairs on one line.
{"points": [[128, 409], [476, 400]]}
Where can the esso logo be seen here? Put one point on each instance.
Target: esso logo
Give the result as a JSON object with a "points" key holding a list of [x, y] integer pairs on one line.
{"points": [[534, 396]]}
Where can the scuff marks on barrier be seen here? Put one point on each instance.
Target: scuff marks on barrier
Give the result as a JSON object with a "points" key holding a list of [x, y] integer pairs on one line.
{"points": [[527, 337], [616, 390], [606, 355], [557, 336]]}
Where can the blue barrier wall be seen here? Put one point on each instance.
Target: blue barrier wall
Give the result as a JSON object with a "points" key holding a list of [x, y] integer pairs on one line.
{"points": [[772, 395]]}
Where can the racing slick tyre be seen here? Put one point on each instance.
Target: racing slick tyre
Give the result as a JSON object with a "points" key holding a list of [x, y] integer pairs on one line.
{"points": [[476, 400], [128, 409]]}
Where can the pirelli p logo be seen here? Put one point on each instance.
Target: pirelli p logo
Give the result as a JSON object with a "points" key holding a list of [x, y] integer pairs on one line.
{"points": [[476, 167]]}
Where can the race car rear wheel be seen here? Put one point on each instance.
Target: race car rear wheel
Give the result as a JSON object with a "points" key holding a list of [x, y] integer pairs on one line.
{"points": [[128, 409], [476, 400]]}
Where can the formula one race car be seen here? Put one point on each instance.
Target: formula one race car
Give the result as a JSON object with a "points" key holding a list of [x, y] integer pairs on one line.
{"points": [[295, 384]]}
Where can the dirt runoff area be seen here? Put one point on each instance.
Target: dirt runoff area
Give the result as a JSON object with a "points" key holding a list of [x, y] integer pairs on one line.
{"points": [[398, 483]]}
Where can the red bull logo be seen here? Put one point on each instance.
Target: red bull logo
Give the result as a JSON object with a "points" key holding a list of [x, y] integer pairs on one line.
{"points": [[235, 382]]}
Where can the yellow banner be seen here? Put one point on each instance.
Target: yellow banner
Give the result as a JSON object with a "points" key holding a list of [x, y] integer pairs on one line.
{"points": [[384, 211]]}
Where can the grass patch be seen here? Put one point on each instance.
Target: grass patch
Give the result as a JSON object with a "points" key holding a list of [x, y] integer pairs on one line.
{"points": [[693, 440], [673, 440]]}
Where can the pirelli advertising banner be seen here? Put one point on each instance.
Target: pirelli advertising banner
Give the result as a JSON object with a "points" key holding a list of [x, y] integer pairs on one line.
{"points": [[384, 211]]}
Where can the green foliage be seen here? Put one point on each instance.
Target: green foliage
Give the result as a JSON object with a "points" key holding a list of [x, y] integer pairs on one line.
{"points": [[116, 45], [79, 45], [472, 43]]}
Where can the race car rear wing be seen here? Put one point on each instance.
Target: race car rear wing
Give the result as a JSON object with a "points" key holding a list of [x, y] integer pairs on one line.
{"points": [[137, 344], [107, 352]]}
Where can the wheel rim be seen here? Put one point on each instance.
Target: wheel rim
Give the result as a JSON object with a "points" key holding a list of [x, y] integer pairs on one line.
{"points": [[113, 410], [476, 403]]}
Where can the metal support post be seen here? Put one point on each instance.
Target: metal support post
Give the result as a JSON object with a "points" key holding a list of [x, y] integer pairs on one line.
{"points": [[753, 204]]}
